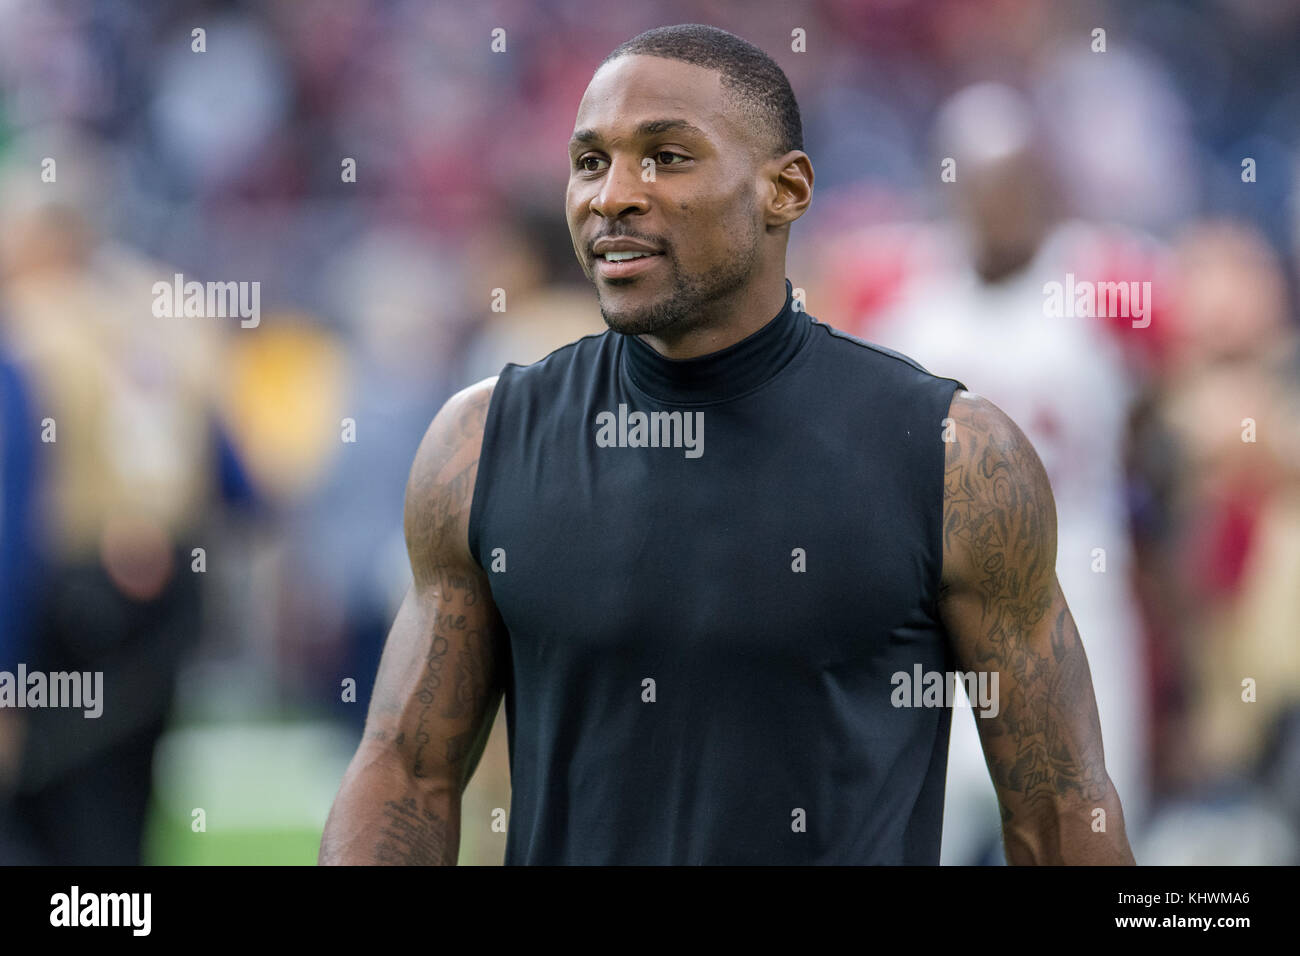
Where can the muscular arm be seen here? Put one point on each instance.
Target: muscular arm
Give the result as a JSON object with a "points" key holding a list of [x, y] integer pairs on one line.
{"points": [[1004, 612], [439, 681]]}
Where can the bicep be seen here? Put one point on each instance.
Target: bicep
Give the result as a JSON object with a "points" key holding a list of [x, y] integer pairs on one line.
{"points": [[440, 677]]}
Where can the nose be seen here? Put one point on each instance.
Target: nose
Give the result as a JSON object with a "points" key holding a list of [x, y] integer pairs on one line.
{"points": [[622, 191]]}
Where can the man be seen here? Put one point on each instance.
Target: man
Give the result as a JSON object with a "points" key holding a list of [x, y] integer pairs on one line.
{"points": [[656, 544]]}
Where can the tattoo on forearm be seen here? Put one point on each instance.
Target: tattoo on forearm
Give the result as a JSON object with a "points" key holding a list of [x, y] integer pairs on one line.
{"points": [[471, 690], [429, 684], [437, 664], [411, 835], [471, 678]]}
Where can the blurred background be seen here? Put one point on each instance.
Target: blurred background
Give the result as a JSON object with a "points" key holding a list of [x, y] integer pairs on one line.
{"points": [[207, 531]]}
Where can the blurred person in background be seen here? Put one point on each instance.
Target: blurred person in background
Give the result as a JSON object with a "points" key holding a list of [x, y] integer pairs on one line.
{"points": [[548, 305], [1217, 479], [1214, 453], [969, 301], [19, 574], [342, 570], [127, 482]]}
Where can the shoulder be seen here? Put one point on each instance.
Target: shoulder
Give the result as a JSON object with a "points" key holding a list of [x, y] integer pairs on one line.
{"points": [[458, 423], [880, 359], [441, 484], [864, 349], [985, 435], [559, 361], [998, 507]]}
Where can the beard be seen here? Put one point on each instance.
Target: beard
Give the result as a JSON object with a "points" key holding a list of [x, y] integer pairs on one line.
{"points": [[688, 301]]}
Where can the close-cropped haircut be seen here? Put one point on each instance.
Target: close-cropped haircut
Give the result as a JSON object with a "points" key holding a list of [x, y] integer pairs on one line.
{"points": [[759, 87]]}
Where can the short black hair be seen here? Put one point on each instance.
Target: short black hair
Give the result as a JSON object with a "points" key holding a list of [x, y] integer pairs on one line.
{"points": [[760, 86]]}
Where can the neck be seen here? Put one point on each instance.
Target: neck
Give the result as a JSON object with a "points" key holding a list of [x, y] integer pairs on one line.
{"points": [[727, 321], [722, 374]]}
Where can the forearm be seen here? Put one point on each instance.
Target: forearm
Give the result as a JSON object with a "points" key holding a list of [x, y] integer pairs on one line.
{"points": [[383, 814], [1069, 834]]}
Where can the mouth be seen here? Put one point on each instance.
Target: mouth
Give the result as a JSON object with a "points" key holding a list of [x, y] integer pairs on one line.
{"points": [[625, 264]]}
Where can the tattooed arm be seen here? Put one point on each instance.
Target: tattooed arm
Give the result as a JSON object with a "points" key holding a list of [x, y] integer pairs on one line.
{"points": [[1004, 611], [440, 677]]}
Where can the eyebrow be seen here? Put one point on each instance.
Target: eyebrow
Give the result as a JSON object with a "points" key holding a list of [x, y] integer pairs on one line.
{"points": [[583, 137]]}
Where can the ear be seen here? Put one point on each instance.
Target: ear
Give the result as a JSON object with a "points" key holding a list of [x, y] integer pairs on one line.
{"points": [[790, 186]]}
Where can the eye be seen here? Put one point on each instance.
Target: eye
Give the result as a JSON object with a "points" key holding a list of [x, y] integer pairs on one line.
{"points": [[584, 160], [659, 157]]}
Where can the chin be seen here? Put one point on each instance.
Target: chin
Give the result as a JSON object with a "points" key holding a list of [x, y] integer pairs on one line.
{"points": [[635, 320], [628, 323], [639, 311]]}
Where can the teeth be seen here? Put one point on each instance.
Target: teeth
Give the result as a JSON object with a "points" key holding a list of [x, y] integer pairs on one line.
{"points": [[624, 256]]}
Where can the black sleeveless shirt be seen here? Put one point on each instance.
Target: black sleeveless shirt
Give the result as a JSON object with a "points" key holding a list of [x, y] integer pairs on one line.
{"points": [[711, 571]]}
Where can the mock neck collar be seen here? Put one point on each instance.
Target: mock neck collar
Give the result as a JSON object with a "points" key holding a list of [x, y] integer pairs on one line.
{"points": [[725, 374]]}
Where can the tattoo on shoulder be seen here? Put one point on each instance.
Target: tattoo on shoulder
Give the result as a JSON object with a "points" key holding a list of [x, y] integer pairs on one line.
{"points": [[442, 483], [997, 510]]}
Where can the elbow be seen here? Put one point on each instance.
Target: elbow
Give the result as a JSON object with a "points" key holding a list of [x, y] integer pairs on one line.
{"points": [[401, 763]]}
